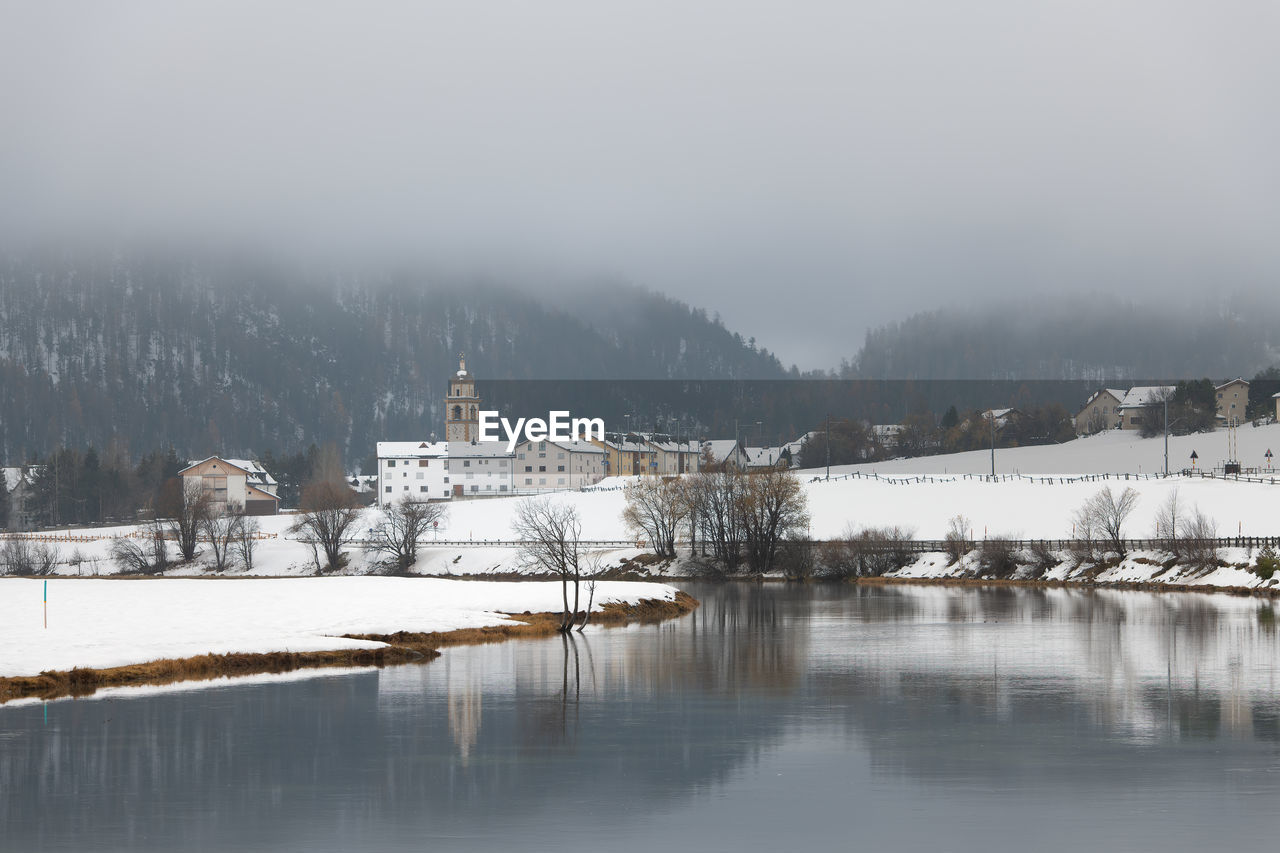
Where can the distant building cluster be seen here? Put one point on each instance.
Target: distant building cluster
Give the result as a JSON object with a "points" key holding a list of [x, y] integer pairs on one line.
{"points": [[1115, 408], [461, 466]]}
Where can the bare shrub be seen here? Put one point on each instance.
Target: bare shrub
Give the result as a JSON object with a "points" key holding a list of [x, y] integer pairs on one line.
{"points": [[796, 559], [187, 506], [28, 557], [998, 557], [870, 552], [1199, 536], [1040, 557], [146, 556], [957, 542]]}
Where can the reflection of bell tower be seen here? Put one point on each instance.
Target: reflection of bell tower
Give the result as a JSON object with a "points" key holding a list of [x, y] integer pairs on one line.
{"points": [[462, 406]]}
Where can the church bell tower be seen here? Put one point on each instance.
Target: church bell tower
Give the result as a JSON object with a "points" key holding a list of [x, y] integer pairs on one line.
{"points": [[462, 406]]}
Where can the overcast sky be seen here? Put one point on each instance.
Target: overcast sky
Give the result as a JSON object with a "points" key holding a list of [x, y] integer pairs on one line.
{"points": [[806, 169]]}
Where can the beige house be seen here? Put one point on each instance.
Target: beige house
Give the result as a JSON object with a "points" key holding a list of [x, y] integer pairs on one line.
{"points": [[1276, 397], [552, 465], [1233, 400], [1133, 408], [624, 455], [1100, 412], [233, 482], [668, 457]]}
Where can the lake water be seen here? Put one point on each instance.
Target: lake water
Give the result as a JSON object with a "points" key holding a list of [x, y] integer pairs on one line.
{"points": [[774, 718]]}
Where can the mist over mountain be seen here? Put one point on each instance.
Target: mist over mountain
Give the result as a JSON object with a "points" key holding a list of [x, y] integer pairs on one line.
{"points": [[242, 357], [1089, 337]]}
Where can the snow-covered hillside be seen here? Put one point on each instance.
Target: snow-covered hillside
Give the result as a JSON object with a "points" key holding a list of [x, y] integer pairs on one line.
{"points": [[1114, 451]]}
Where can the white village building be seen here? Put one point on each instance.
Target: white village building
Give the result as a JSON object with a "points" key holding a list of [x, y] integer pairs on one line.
{"points": [[417, 470]]}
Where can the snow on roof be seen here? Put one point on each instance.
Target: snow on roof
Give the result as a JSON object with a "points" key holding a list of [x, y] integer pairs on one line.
{"points": [[412, 449], [763, 457], [1138, 396], [1231, 382], [721, 448], [478, 450], [12, 477], [191, 463], [257, 474], [571, 446]]}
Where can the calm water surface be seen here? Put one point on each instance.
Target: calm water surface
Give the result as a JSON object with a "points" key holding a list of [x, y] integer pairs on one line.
{"points": [[775, 718]]}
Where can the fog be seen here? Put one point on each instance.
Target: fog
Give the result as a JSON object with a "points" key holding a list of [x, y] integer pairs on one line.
{"points": [[804, 169]]}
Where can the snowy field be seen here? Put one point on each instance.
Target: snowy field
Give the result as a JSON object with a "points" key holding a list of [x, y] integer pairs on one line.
{"points": [[103, 623], [1111, 452]]}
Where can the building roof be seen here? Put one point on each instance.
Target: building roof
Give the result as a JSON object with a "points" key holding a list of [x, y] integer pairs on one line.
{"points": [[763, 457], [1139, 395], [255, 475], [14, 476], [412, 449], [721, 448], [1231, 382], [571, 446], [478, 450]]}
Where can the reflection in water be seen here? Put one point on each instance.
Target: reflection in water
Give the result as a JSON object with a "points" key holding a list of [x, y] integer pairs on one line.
{"points": [[1119, 703]]}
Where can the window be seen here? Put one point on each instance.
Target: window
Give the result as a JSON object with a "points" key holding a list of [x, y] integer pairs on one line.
{"points": [[446, 479], [388, 490], [559, 467], [560, 481], [528, 481], [422, 489], [502, 488], [542, 481], [528, 468], [560, 455], [520, 455], [420, 476], [466, 463], [542, 445], [405, 489], [422, 463], [475, 488], [542, 469], [391, 463]]}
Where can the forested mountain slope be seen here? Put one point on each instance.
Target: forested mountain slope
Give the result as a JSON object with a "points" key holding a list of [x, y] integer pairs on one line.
{"points": [[227, 358]]}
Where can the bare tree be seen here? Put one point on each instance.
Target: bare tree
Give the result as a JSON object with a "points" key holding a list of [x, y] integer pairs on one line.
{"points": [[220, 530], [1199, 535], [591, 561], [1108, 513], [714, 500], [245, 542], [326, 522], [1169, 523], [550, 532], [656, 509], [772, 508], [401, 527], [187, 506]]}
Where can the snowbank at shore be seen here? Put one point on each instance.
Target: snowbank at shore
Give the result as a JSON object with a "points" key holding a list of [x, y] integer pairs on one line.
{"points": [[100, 623]]}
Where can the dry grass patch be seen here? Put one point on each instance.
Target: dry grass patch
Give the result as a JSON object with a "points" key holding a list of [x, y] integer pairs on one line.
{"points": [[402, 647]]}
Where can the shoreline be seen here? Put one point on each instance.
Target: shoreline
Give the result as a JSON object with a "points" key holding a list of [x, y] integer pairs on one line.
{"points": [[1059, 583], [402, 648]]}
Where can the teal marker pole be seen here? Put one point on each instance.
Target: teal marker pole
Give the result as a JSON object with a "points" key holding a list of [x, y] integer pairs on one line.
{"points": [[46, 605]]}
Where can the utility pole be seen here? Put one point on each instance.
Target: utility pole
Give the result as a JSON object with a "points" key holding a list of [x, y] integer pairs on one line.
{"points": [[1166, 435], [992, 412], [828, 444]]}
